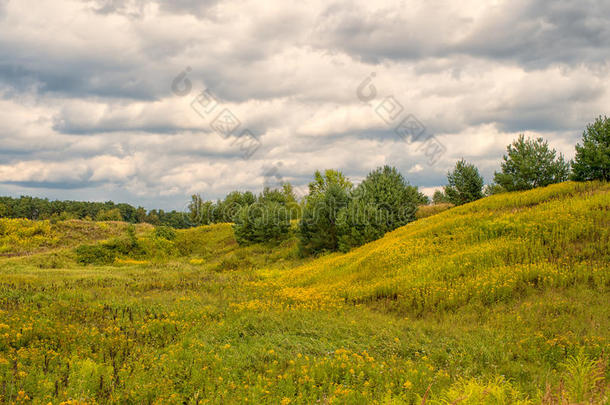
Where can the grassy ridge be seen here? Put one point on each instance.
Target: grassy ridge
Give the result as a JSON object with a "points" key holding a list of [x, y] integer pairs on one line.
{"points": [[501, 301], [488, 251]]}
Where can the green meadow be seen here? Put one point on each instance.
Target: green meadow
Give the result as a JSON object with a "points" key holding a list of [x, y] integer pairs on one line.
{"points": [[501, 301]]}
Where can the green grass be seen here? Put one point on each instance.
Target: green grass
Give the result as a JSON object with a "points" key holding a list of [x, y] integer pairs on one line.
{"points": [[427, 314]]}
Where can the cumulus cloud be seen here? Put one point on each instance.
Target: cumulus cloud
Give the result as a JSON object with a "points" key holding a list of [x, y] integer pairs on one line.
{"points": [[93, 104]]}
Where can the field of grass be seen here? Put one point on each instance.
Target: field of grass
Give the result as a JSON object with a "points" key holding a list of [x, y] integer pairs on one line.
{"points": [[501, 301]]}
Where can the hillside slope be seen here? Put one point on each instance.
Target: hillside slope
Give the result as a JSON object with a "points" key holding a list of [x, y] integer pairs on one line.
{"points": [[502, 301], [487, 251]]}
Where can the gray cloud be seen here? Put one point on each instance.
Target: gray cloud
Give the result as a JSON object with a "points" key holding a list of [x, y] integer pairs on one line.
{"points": [[90, 114], [533, 34]]}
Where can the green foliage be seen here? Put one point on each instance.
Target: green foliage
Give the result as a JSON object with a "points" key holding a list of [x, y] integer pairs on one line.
{"points": [[227, 209], [473, 392], [94, 254], [318, 229], [107, 252], [439, 197], [322, 182], [39, 208], [109, 215], [165, 232], [500, 301], [200, 212], [381, 203], [262, 222], [359, 223], [530, 163], [582, 377], [592, 160], [465, 184]]}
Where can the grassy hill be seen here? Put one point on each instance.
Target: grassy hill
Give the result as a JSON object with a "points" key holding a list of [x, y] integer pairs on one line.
{"points": [[504, 300]]}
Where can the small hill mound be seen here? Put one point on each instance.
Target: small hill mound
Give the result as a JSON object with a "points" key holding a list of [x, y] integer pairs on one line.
{"points": [[20, 237]]}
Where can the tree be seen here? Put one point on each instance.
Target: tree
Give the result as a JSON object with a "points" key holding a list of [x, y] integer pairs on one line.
{"points": [[592, 160], [360, 222], [232, 204], [387, 189], [439, 197], [381, 203], [529, 164], [331, 176], [318, 230], [261, 222], [465, 184], [200, 212]]}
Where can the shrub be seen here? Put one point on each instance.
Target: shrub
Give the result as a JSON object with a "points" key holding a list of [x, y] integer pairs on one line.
{"points": [[529, 164], [439, 197], [165, 232], [492, 189], [94, 254], [592, 160], [106, 252]]}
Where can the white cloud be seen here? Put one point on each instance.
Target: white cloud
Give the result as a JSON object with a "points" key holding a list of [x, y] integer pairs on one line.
{"points": [[91, 111]]}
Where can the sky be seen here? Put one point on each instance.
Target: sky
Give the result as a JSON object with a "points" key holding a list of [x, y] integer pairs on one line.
{"points": [[150, 101]]}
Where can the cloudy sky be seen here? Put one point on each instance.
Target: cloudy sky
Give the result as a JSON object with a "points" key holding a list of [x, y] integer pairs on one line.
{"points": [[105, 99]]}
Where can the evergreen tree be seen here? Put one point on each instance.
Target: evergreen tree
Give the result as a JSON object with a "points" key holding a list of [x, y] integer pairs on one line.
{"points": [[530, 163], [465, 184], [592, 160]]}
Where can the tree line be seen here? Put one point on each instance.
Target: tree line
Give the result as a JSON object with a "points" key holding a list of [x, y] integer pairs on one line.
{"points": [[530, 163], [41, 208], [336, 214]]}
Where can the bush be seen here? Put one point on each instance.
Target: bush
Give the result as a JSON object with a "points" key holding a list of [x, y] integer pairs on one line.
{"points": [[106, 252], [592, 160], [261, 222], [94, 254], [165, 232], [439, 197], [492, 189]]}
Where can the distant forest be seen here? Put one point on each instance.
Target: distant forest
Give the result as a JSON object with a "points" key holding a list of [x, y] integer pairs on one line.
{"points": [[41, 208]]}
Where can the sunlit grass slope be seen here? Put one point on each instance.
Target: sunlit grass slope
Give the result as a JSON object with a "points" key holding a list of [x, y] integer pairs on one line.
{"points": [[502, 301], [492, 250], [23, 236]]}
